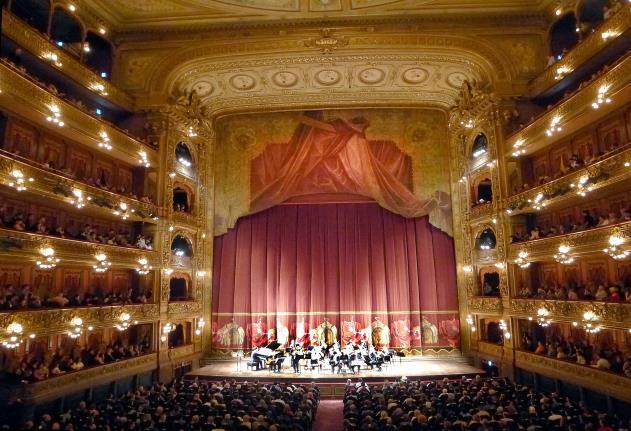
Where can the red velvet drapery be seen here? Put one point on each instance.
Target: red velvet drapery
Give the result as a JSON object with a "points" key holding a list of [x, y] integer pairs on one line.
{"points": [[289, 268]]}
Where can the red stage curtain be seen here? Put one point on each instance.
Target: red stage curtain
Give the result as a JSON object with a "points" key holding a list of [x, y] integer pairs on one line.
{"points": [[292, 266]]}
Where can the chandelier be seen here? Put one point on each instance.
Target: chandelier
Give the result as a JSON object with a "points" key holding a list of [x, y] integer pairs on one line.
{"points": [[19, 180], [78, 200], [77, 328], [144, 267], [102, 264], [14, 336], [125, 324], [614, 251], [602, 98], [50, 261], [563, 256], [521, 259], [589, 322], [542, 314]]}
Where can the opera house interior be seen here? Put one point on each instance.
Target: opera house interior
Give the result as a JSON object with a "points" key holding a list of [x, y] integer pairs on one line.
{"points": [[315, 215]]}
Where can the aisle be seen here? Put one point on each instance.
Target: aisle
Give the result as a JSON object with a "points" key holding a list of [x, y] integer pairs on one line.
{"points": [[330, 416]]}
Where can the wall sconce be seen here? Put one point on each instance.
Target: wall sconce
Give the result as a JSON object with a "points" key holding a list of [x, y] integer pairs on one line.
{"points": [[19, 180], [168, 271], [125, 319], [50, 261], [200, 326], [166, 329], [191, 132], [614, 251], [554, 126], [561, 72], [201, 274], [79, 200], [102, 264], [122, 211], [504, 328], [471, 323], [467, 268], [499, 265], [563, 256], [144, 267]]}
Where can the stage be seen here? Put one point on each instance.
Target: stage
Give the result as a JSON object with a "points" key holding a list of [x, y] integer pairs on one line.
{"points": [[411, 367]]}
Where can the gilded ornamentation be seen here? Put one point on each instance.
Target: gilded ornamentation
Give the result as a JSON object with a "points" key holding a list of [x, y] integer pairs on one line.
{"points": [[327, 42], [485, 305]]}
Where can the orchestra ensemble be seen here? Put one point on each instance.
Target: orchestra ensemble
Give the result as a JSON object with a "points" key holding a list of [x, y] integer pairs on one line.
{"points": [[350, 358]]}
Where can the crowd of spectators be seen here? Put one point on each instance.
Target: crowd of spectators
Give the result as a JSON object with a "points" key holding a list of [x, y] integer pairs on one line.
{"points": [[605, 357], [194, 406], [38, 367], [619, 291], [30, 222], [589, 220], [466, 404], [575, 163], [14, 298]]}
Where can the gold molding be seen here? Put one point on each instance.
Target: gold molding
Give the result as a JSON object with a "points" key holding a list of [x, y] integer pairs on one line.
{"points": [[57, 321]]}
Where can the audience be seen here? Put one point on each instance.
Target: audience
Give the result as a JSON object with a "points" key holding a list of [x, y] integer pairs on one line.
{"points": [[90, 233], [605, 357], [467, 404], [572, 290], [195, 406], [587, 221], [34, 368], [13, 298]]}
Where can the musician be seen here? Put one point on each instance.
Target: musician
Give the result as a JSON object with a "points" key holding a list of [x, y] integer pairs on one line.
{"points": [[372, 359], [297, 354], [335, 359], [258, 358]]}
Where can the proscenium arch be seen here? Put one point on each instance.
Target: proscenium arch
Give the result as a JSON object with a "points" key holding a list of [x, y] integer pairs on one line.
{"points": [[165, 74]]}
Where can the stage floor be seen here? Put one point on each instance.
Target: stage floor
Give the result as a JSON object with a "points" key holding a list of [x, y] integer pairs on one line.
{"points": [[414, 367]]}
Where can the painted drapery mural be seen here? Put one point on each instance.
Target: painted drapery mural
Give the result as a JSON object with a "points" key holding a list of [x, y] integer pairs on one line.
{"points": [[347, 232], [265, 159]]}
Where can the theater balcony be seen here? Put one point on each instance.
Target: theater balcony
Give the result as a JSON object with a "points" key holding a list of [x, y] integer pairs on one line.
{"points": [[573, 113], [23, 97], [62, 63], [608, 40]]}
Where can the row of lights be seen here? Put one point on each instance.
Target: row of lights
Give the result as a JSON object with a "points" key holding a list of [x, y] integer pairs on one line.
{"points": [[15, 338], [169, 271]]}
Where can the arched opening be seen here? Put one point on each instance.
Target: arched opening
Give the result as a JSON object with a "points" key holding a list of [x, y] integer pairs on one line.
{"points": [[98, 55], [178, 288], [486, 240], [491, 284], [66, 31], [182, 199], [590, 14], [34, 12], [180, 246], [183, 155], [563, 35], [480, 145], [484, 192]]}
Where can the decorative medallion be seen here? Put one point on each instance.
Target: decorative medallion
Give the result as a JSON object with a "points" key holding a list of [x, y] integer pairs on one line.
{"points": [[202, 88], [243, 82], [371, 75], [328, 77], [456, 79], [415, 75], [285, 79]]}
